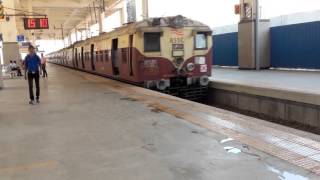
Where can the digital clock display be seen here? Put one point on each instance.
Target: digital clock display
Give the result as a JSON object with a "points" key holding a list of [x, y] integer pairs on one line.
{"points": [[36, 23]]}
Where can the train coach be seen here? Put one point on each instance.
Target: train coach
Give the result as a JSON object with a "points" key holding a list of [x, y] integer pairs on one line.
{"points": [[169, 54]]}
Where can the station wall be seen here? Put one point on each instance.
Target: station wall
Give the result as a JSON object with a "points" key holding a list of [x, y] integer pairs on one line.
{"points": [[296, 46], [292, 46], [225, 49]]}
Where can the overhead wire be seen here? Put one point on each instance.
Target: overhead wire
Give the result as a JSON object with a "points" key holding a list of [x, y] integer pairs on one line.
{"points": [[28, 12]]}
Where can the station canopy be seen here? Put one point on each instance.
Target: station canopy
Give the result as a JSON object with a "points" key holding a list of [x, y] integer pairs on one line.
{"points": [[65, 13]]}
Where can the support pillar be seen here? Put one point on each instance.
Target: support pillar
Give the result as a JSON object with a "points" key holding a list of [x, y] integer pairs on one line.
{"points": [[101, 22], [69, 39], [131, 11], [31, 34], [253, 37], [76, 34], [88, 31], [145, 9], [122, 16], [8, 29]]}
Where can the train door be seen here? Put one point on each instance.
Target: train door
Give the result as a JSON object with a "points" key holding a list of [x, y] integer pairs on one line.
{"points": [[76, 56], [82, 57], [130, 54], [92, 55], [114, 57]]}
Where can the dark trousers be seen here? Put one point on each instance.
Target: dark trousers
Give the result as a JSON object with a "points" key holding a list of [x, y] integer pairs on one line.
{"points": [[19, 72], [35, 77], [44, 71]]}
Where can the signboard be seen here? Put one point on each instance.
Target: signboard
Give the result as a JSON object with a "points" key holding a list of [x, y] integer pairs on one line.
{"points": [[25, 44], [20, 38], [36, 23]]}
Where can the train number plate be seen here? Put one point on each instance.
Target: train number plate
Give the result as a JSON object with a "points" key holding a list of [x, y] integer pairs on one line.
{"points": [[176, 40], [177, 46]]}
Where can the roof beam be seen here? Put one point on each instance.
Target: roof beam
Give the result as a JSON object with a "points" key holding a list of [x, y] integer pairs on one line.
{"points": [[59, 4]]}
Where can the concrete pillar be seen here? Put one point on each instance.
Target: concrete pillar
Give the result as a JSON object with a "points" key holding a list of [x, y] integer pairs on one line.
{"points": [[76, 34], [69, 39], [253, 37], [247, 10], [1, 80], [88, 32], [101, 22], [10, 47], [131, 11], [145, 9], [122, 16], [31, 32]]}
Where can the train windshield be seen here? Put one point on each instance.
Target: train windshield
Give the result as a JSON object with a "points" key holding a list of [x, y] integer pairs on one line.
{"points": [[201, 41]]}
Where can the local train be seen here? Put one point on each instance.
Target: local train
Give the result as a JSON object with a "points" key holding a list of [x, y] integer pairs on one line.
{"points": [[169, 54]]}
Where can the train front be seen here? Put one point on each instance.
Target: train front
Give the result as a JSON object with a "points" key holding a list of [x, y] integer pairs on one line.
{"points": [[177, 56]]}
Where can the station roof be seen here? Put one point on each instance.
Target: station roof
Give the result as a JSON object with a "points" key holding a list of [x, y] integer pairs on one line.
{"points": [[68, 13]]}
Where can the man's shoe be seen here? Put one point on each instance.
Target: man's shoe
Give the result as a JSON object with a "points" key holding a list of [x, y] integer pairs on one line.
{"points": [[31, 102], [38, 101]]}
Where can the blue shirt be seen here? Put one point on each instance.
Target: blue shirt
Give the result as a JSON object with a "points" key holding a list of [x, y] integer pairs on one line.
{"points": [[32, 63]]}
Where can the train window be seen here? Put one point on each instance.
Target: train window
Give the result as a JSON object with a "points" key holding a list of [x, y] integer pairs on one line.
{"points": [[152, 42], [201, 41]]}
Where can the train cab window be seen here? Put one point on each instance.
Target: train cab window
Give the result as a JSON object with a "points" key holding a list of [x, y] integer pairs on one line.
{"points": [[201, 41], [152, 42]]}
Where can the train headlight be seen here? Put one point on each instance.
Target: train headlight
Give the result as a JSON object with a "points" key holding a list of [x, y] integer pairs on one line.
{"points": [[204, 81], [177, 21], [190, 67]]}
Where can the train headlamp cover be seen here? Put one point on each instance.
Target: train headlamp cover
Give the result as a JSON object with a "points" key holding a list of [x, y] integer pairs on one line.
{"points": [[177, 21], [200, 60], [190, 67]]}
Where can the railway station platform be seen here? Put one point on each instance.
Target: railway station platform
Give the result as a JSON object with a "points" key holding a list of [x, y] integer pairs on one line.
{"points": [[279, 95], [90, 127]]}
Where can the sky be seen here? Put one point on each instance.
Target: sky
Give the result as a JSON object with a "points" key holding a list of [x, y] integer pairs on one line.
{"points": [[217, 13]]}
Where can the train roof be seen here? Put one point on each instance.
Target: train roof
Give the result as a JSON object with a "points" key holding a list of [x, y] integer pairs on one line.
{"points": [[149, 25]]}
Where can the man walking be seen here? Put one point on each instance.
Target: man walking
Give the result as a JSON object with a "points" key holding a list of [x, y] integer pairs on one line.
{"points": [[44, 66], [32, 71]]}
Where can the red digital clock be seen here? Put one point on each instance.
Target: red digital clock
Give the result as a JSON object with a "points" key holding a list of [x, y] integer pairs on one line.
{"points": [[36, 23]]}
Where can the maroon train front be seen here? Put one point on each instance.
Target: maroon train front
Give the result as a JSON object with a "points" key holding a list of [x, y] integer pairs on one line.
{"points": [[169, 54]]}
